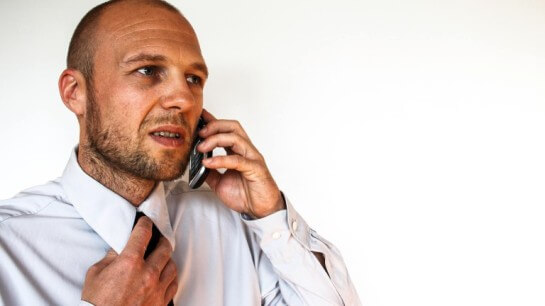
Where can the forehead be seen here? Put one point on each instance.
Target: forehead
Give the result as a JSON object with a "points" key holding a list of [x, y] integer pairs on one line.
{"points": [[127, 29]]}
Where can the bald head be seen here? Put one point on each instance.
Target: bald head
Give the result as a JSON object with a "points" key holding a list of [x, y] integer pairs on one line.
{"points": [[84, 40]]}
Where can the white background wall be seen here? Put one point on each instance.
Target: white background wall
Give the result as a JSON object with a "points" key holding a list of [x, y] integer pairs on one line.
{"points": [[409, 133]]}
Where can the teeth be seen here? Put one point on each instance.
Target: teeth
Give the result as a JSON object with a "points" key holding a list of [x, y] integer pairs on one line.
{"points": [[167, 134]]}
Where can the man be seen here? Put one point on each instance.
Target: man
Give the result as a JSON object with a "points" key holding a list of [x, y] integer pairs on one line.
{"points": [[135, 81]]}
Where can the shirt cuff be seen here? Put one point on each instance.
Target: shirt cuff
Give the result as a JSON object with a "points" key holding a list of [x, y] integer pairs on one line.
{"points": [[85, 303], [280, 226]]}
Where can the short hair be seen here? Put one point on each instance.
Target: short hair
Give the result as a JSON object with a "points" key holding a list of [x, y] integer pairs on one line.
{"points": [[82, 46]]}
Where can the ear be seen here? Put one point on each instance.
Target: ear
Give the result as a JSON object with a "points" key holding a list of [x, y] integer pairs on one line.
{"points": [[73, 90]]}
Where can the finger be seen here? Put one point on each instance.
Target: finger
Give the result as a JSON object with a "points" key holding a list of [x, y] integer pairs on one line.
{"points": [[169, 273], [236, 162], [223, 126], [171, 291], [236, 143], [160, 256], [207, 116], [139, 239]]}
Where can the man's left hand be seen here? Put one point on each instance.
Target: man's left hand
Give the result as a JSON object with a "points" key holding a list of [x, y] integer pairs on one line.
{"points": [[247, 186]]}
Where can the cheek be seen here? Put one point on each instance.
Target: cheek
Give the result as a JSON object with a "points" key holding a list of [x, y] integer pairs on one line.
{"points": [[129, 107]]}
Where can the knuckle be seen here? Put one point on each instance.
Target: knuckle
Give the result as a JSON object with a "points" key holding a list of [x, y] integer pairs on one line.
{"points": [[148, 279], [146, 228], [238, 137], [219, 137], [260, 157], [171, 268], [131, 263], [237, 159], [174, 267], [131, 259], [174, 286], [154, 272], [165, 245], [241, 129], [244, 152], [94, 269], [212, 140]]}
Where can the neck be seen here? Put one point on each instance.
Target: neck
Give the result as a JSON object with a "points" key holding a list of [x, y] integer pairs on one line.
{"points": [[132, 188]]}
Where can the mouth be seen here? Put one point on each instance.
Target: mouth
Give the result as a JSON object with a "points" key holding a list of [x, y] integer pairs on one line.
{"points": [[168, 135]]}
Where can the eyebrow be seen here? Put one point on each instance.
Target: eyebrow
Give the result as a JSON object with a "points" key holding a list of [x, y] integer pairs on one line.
{"points": [[200, 66], [146, 57]]}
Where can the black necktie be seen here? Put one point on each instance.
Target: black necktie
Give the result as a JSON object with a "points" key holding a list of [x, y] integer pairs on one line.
{"points": [[155, 236]]}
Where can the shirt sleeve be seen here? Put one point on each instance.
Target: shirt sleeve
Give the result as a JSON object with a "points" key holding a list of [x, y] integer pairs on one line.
{"points": [[288, 242]]}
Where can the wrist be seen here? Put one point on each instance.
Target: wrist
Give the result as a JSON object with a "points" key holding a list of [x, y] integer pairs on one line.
{"points": [[277, 206]]}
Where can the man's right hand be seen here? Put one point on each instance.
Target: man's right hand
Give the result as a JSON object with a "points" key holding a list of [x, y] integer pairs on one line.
{"points": [[128, 279]]}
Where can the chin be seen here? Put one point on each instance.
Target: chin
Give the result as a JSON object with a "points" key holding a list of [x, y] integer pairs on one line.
{"points": [[170, 170], [164, 175]]}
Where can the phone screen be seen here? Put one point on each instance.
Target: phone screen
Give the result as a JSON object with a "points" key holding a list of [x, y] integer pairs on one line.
{"points": [[197, 172]]}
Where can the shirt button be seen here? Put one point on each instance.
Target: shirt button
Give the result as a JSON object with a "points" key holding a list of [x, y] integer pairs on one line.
{"points": [[294, 225], [276, 235]]}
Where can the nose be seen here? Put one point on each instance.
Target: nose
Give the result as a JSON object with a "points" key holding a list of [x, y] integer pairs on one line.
{"points": [[177, 94]]}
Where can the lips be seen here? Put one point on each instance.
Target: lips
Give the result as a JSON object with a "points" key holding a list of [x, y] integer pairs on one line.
{"points": [[169, 135]]}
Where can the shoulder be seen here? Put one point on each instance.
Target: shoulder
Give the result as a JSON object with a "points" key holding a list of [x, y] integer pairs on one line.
{"points": [[31, 201]]}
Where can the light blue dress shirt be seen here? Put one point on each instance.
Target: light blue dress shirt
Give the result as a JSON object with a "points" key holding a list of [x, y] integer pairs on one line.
{"points": [[51, 234]]}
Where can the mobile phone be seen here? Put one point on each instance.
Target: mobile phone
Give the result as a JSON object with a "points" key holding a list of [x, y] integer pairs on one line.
{"points": [[197, 172]]}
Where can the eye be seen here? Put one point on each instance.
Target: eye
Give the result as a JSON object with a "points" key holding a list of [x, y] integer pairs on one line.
{"points": [[193, 79], [148, 70]]}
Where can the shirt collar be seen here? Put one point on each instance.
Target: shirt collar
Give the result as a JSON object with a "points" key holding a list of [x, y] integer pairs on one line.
{"points": [[109, 214]]}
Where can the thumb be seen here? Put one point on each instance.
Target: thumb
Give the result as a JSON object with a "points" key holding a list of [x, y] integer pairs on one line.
{"points": [[213, 178]]}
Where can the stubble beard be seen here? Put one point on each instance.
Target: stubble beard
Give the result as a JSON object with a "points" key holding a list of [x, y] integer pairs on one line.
{"points": [[121, 153]]}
